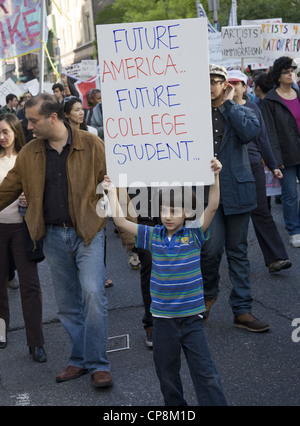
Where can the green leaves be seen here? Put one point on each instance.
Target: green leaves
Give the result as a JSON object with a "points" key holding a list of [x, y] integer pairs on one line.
{"points": [[152, 10]]}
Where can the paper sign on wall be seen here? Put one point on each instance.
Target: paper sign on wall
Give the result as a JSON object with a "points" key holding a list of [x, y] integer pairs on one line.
{"points": [[156, 101]]}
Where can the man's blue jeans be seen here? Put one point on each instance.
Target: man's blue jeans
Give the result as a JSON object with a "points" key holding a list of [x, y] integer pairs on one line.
{"points": [[289, 199], [229, 232], [78, 275], [169, 336]]}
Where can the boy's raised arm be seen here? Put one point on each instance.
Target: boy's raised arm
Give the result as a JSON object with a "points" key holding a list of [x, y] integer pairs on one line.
{"points": [[117, 213], [214, 196]]}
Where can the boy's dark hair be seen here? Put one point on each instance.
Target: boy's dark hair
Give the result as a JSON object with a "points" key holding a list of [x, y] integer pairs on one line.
{"points": [[58, 86], [282, 63], [264, 81], [10, 97], [48, 105], [184, 197]]}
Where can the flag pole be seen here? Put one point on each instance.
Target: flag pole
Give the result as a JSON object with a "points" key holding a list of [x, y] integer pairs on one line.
{"points": [[42, 50]]}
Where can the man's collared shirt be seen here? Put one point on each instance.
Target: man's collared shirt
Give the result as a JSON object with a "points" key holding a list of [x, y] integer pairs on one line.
{"points": [[56, 206]]}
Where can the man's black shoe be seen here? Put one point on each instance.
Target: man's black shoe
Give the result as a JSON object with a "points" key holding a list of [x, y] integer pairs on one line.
{"points": [[38, 353]]}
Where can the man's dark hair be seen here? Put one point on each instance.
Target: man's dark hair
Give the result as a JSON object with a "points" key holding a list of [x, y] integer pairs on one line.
{"points": [[48, 105], [58, 86], [264, 81], [10, 97]]}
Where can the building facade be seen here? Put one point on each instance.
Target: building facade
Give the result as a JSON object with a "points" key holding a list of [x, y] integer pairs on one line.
{"points": [[71, 38], [73, 30]]}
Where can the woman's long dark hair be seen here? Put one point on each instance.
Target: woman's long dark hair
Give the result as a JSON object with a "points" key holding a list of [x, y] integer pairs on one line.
{"points": [[68, 105], [17, 128]]}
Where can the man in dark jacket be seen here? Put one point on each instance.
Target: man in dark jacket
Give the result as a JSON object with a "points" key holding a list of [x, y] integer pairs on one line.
{"points": [[234, 126]]}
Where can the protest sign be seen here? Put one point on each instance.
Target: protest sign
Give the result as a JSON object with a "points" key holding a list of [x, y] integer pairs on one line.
{"points": [[19, 27], [85, 70], [260, 65], [215, 52], [280, 39], [73, 70], [242, 41], [48, 87], [32, 86], [88, 69], [8, 87], [156, 101]]}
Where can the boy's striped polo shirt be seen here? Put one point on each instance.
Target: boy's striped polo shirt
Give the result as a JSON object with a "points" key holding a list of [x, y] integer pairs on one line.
{"points": [[176, 281]]}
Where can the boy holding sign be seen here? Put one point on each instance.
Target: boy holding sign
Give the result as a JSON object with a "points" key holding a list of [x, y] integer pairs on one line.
{"points": [[177, 292]]}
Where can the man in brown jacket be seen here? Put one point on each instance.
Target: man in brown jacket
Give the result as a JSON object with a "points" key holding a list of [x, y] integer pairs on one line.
{"points": [[59, 173]]}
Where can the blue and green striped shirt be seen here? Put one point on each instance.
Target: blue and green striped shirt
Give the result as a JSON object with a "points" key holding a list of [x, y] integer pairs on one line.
{"points": [[176, 281]]}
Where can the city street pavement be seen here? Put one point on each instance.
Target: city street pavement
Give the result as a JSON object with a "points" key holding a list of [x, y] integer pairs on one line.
{"points": [[256, 369]]}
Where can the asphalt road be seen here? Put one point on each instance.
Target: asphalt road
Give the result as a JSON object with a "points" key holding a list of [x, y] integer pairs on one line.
{"points": [[255, 369]]}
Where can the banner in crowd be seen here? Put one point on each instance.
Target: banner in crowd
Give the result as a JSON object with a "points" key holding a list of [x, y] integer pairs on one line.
{"points": [[19, 27], [242, 41], [83, 87], [83, 70], [156, 102], [280, 39], [7, 88]]}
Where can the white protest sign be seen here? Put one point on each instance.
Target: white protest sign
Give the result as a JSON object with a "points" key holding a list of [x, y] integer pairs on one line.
{"points": [[156, 101], [33, 86], [48, 87], [280, 39], [73, 70], [6, 88], [88, 68], [215, 51], [265, 22], [85, 70], [242, 41]]}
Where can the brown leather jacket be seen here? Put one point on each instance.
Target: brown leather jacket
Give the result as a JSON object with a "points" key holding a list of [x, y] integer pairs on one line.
{"points": [[85, 170]]}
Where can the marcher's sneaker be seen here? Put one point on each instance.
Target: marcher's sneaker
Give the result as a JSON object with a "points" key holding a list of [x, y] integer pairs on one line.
{"points": [[278, 265], [149, 331], [295, 240], [249, 322], [134, 260], [208, 305], [13, 284], [3, 335]]}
